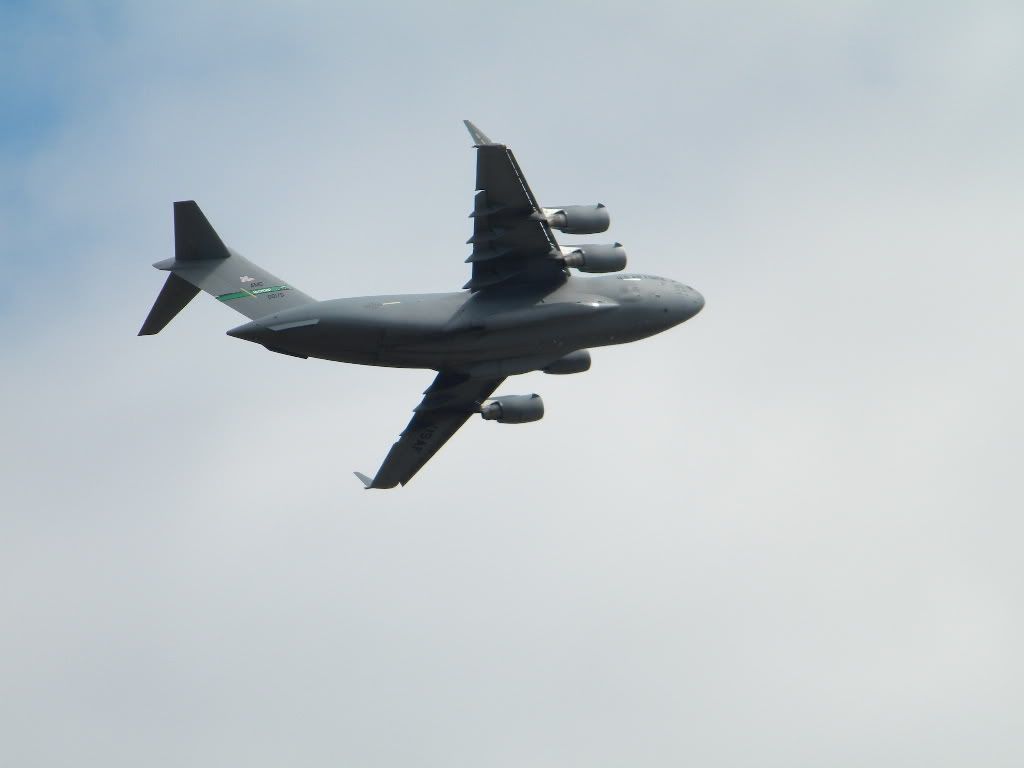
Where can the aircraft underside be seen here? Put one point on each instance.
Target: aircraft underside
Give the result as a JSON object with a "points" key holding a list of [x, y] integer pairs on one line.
{"points": [[522, 309]]}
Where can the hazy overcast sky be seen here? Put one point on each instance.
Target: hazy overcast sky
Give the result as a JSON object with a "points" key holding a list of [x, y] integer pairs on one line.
{"points": [[787, 533]]}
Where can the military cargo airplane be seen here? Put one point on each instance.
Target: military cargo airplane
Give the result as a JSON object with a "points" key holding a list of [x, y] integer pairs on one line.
{"points": [[522, 309]]}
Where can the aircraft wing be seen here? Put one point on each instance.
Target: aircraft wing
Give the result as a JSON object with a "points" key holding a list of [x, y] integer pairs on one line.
{"points": [[447, 404], [512, 241]]}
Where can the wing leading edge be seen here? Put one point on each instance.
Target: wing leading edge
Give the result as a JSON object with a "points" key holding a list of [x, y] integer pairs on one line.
{"points": [[447, 404]]}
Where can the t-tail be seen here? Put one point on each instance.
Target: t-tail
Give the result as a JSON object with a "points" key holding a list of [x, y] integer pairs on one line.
{"points": [[202, 262]]}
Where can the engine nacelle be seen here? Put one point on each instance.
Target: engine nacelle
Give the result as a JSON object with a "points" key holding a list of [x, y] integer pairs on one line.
{"points": [[595, 258], [579, 219], [513, 409], [574, 362]]}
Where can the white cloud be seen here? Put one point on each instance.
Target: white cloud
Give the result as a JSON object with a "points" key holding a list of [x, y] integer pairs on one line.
{"points": [[784, 533]]}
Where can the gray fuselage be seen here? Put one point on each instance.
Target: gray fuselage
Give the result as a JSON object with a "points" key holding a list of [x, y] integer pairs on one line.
{"points": [[483, 333]]}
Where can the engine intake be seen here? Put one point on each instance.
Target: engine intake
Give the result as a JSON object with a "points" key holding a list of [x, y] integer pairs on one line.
{"points": [[579, 219], [513, 409], [574, 362], [595, 258]]}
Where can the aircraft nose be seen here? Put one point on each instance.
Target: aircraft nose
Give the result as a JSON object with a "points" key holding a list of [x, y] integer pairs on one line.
{"points": [[696, 302], [688, 302]]}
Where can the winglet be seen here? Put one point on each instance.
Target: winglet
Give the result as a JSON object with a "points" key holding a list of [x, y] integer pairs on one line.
{"points": [[479, 137], [367, 482]]}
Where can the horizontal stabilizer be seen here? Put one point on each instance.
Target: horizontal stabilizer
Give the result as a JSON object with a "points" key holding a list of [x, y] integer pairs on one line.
{"points": [[367, 482], [173, 297]]}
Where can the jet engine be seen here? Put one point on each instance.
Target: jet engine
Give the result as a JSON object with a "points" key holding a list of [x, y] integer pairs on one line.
{"points": [[513, 409], [574, 362], [595, 258], [579, 219]]}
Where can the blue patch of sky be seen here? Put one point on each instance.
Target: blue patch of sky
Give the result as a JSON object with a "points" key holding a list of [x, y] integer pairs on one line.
{"points": [[40, 45], [42, 51]]}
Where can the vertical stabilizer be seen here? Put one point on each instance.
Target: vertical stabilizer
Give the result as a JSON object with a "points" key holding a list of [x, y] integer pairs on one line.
{"points": [[194, 238], [202, 262]]}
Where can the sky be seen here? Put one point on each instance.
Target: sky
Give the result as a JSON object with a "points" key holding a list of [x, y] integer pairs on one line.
{"points": [[785, 533]]}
